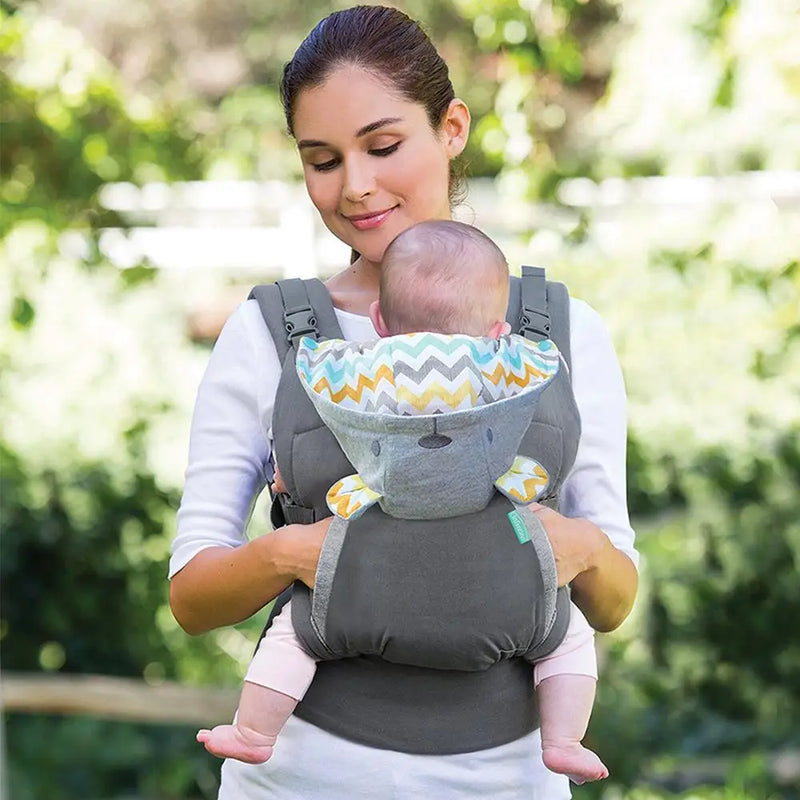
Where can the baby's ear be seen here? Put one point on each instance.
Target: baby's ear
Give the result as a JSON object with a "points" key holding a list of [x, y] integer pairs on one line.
{"points": [[524, 482], [350, 497], [499, 329], [377, 319]]}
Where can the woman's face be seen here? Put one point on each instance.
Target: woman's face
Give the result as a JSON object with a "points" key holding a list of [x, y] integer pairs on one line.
{"points": [[373, 165]]}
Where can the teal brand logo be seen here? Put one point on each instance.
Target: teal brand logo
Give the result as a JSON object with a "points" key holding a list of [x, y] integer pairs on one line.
{"points": [[520, 528]]}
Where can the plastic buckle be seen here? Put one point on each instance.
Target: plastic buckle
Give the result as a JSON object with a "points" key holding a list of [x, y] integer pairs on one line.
{"points": [[300, 322], [533, 322]]}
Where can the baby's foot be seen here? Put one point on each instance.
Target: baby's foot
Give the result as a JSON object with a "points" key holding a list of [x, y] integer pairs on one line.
{"points": [[229, 741], [575, 761]]}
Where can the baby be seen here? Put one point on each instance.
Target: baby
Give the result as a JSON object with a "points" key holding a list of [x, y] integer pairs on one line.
{"points": [[447, 278]]}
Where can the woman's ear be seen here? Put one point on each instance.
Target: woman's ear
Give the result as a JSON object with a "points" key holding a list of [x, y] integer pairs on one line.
{"points": [[377, 318], [455, 127]]}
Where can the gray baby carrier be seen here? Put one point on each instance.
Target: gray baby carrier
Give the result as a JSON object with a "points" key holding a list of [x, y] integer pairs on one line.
{"points": [[416, 657]]}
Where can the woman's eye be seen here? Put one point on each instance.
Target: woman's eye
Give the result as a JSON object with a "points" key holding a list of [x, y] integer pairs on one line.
{"points": [[385, 151], [326, 166]]}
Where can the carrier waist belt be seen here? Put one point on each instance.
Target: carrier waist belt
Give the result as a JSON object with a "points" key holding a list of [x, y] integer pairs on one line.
{"points": [[424, 711]]}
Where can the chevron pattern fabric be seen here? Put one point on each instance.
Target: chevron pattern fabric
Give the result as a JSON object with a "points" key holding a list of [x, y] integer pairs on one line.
{"points": [[524, 482], [350, 497], [424, 373]]}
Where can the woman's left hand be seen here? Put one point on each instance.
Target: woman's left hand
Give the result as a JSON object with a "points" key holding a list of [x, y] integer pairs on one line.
{"points": [[574, 542], [603, 579]]}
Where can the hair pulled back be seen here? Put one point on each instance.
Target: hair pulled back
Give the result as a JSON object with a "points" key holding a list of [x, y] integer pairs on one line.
{"points": [[386, 43]]}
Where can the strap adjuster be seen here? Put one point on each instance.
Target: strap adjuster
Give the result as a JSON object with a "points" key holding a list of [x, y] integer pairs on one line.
{"points": [[535, 323], [299, 322]]}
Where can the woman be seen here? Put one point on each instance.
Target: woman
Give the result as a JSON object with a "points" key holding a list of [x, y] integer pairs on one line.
{"points": [[371, 106]]}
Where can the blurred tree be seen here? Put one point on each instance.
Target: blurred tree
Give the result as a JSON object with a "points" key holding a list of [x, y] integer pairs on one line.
{"points": [[528, 76], [94, 373], [68, 129]]}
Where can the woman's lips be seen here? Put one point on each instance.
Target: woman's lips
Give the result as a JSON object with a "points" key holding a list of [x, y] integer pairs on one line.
{"points": [[365, 222]]}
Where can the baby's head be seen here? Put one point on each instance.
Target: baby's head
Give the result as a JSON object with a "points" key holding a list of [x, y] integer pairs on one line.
{"points": [[444, 277]]}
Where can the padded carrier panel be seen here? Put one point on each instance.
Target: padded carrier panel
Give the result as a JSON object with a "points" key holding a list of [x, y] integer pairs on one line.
{"points": [[373, 700]]}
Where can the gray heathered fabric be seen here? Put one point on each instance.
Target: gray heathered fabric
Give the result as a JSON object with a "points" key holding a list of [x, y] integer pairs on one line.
{"points": [[547, 564], [444, 530], [427, 613], [420, 483], [397, 706], [433, 622], [326, 568]]}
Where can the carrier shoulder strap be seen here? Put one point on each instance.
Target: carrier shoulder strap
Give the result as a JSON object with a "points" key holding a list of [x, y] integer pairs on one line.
{"points": [[539, 309], [293, 308]]}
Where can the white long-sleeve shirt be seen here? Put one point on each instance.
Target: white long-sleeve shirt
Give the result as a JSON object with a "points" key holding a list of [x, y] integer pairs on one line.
{"points": [[231, 433], [230, 445]]}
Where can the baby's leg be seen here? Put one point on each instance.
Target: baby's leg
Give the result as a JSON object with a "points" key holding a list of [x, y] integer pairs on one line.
{"points": [[262, 713], [566, 681], [565, 705], [279, 676]]}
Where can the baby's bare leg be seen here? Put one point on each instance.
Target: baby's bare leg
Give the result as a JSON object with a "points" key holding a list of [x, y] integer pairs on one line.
{"points": [[565, 705], [262, 713]]}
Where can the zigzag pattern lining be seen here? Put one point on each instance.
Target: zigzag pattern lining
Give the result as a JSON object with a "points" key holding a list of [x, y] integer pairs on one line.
{"points": [[525, 481], [424, 373]]}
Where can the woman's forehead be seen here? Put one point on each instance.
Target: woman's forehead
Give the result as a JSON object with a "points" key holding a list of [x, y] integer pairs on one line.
{"points": [[348, 102]]}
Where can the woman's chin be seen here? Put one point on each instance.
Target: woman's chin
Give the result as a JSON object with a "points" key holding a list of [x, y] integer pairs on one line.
{"points": [[371, 253]]}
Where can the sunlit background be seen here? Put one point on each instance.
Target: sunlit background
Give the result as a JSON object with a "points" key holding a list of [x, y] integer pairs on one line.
{"points": [[647, 152]]}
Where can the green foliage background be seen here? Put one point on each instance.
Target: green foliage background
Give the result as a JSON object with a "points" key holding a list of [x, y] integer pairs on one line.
{"points": [[97, 375]]}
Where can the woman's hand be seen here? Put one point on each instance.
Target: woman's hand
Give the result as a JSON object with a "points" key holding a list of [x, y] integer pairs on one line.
{"points": [[223, 585], [603, 579], [574, 542], [302, 543], [300, 546], [278, 485]]}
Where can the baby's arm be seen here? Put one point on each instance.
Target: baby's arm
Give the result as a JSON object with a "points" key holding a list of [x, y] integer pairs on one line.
{"points": [[565, 683], [279, 675]]}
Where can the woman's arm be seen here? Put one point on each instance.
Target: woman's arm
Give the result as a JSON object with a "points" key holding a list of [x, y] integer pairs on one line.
{"points": [[592, 538], [217, 576], [222, 586], [603, 579], [606, 589]]}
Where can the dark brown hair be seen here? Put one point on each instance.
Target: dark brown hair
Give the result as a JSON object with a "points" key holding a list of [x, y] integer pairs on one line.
{"points": [[385, 42]]}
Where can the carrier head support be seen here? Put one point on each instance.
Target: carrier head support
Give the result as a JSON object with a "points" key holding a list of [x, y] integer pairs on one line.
{"points": [[432, 422]]}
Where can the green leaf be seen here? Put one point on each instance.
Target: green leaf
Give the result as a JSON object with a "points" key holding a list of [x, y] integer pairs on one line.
{"points": [[22, 313]]}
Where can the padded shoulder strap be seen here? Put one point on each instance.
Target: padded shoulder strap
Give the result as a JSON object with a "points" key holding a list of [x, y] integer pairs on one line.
{"points": [[539, 309], [293, 308]]}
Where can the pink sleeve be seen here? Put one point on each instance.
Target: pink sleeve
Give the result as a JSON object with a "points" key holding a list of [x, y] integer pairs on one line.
{"points": [[574, 656], [280, 662]]}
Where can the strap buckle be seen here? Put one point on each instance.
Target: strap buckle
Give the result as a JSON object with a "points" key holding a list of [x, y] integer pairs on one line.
{"points": [[535, 323], [300, 321]]}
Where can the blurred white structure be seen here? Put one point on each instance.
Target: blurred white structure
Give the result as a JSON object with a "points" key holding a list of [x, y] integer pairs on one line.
{"points": [[273, 229], [270, 227]]}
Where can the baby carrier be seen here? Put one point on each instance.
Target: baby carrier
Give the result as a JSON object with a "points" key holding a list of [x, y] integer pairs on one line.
{"points": [[417, 679]]}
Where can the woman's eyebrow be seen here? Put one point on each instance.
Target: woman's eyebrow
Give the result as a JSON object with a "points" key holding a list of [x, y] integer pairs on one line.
{"points": [[372, 126]]}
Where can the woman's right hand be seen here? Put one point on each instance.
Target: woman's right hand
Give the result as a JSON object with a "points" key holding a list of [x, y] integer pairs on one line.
{"points": [[300, 546], [278, 485], [224, 586]]}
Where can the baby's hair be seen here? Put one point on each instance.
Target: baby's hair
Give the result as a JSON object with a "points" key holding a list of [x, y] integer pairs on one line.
{"points": [[443, 276]]}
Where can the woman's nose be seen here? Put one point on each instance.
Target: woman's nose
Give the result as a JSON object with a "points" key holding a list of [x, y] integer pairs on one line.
{"points": [[359, 182]]}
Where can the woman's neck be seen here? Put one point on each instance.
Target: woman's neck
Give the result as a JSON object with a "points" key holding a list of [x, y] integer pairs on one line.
{"points": [[355, 288]]}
